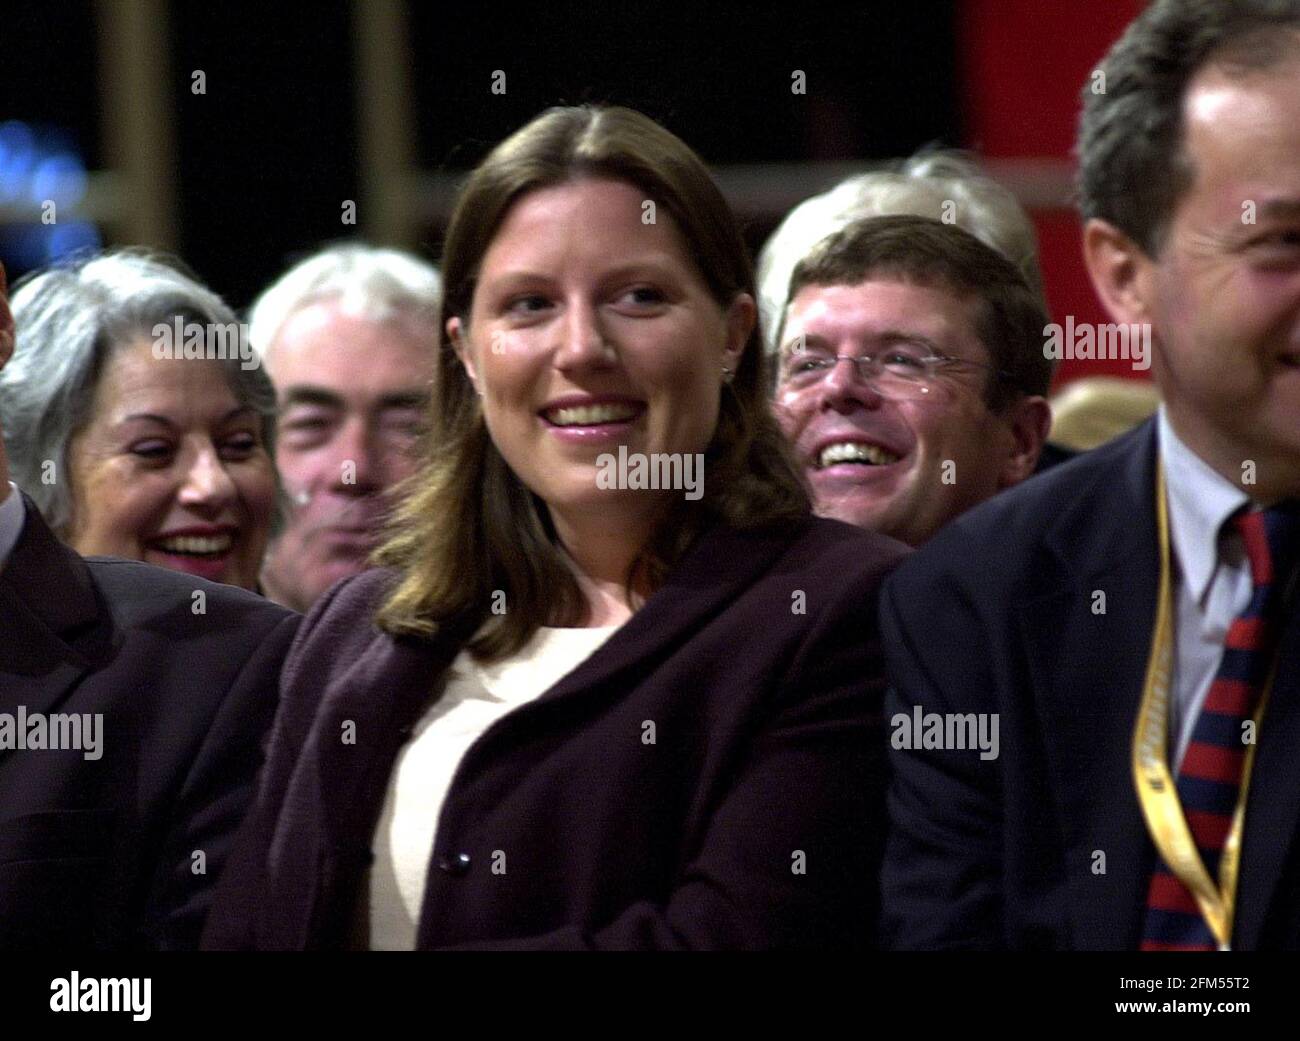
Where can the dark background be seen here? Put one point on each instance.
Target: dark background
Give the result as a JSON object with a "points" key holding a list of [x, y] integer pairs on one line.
{"points": [[263, 162], [267, 155]]}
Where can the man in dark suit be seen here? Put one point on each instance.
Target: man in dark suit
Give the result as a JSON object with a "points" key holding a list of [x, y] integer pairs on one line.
{"points": [[133, 703], [1113, 623]]}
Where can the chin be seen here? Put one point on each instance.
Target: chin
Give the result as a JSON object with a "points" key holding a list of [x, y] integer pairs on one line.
{"points": [[859, 514], [588, 496], [875, 517]]}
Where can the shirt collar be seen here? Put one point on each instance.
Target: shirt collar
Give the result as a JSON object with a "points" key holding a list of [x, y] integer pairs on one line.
{"points": [[1200, 501], [12, 514]]}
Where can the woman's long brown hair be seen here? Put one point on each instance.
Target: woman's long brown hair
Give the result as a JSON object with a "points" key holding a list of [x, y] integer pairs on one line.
{"points": [[469, 536]]}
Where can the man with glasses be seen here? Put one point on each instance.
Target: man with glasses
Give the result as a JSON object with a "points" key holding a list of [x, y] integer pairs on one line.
{"points": [[911, 374]]}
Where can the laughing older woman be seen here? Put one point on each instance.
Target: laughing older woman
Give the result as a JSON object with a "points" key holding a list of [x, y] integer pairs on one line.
{"points": [[134, 422], [569, 715]]}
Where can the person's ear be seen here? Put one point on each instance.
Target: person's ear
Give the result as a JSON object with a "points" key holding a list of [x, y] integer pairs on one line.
{"points": [[6, 321], [456, 333], [741, 316], [1121, 272], [1029, 419]]}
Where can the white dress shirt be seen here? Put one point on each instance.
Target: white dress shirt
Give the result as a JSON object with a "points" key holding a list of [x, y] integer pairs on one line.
{"points": [[476, 696], [1212, 582], [12, 514]]}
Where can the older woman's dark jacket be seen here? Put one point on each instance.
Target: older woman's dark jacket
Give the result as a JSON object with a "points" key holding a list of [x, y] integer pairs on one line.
{"points": [[712, 777]]}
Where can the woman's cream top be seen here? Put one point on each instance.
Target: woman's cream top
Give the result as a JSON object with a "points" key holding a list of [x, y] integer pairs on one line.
{"points": [[476, 696]]}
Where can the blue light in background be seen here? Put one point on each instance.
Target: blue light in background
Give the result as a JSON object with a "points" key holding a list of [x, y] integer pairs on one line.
{"points": [[40, 165], [60, 178], [69, 238], [17, 155]]}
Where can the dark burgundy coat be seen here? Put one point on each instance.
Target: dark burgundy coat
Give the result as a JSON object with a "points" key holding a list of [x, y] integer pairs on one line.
{"points": [[754, 820]]}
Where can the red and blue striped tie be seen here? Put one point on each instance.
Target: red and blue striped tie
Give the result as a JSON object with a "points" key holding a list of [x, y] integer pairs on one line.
{"points": [[1209, 779]]}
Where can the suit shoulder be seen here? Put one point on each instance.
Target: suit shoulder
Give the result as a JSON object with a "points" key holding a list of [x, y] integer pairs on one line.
{"points": [[998, 541], [835, 553], [137, 592]]}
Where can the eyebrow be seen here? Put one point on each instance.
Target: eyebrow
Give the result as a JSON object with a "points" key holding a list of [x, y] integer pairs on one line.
{"points": [[153, 417], [404, 399], [312, 395], [305, 395], [659, 263]]}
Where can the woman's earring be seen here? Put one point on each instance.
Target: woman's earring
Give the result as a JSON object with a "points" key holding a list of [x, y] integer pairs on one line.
{"points": [[727, 374]]}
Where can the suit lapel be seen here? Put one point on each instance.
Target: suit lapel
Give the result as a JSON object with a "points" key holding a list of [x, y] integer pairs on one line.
{"points": [[51, 624], [1088, 669]]}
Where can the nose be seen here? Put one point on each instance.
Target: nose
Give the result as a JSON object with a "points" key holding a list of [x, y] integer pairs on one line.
{"points": [[844, 387], [207, 486], [354, 468], [582, 339]]}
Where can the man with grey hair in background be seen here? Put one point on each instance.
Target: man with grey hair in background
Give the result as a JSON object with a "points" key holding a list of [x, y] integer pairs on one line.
{"points": [[348, 337], [955, 277], [1128, 620]]}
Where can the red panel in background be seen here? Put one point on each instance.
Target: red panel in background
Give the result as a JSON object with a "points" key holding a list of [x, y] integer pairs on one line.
{"points": [[1023, 65]]}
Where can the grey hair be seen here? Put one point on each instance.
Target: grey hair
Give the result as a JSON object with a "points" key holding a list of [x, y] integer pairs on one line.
{"points": [[1132, 167], [919, 186], [374, 283], [70, 318]]}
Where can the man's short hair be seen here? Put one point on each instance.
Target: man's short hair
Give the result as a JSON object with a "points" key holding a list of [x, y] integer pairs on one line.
{"points": [[373, 283], [1132, 167], [943, 184], [1012, 318]]}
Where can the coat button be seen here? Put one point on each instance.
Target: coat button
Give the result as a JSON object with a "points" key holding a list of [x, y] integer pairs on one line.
{"points": [[457, 864]]}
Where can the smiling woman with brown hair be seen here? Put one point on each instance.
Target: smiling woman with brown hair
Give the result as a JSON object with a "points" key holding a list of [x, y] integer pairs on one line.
{"points": [[564, 714]]}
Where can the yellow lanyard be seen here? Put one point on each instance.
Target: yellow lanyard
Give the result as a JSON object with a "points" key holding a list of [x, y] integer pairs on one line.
{"points": [[1156, 787]]}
